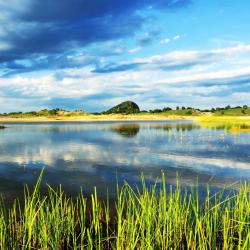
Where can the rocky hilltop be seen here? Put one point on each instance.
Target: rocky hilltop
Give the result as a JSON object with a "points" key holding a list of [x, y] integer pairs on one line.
{"points": [[127, 107]]}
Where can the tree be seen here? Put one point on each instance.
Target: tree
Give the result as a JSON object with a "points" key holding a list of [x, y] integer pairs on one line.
{"points": [[189, 112], [156, 111], [166, 109]]}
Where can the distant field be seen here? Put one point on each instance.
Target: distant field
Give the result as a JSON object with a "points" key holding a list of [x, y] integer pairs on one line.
{"points": [[223, 114]]}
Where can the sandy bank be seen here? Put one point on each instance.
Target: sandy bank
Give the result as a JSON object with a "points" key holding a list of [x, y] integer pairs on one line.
{"points": [[91, 118]]}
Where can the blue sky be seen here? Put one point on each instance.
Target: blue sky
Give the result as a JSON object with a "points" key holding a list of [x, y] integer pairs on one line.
{"points": [[91, 55]]}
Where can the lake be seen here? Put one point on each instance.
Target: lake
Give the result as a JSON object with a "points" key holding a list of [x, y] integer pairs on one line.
{"points": [[88, 154]]}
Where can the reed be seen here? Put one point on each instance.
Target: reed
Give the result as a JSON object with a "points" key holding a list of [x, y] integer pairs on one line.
{"points": [[146, 218], [234, 124]]}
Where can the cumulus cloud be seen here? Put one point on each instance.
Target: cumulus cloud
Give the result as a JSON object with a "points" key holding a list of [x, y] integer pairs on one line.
{"points": [[195, 79], [177, 60]]}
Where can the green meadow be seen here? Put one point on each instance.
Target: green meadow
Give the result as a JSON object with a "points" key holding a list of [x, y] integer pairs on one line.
{"points": [[146, 218]]}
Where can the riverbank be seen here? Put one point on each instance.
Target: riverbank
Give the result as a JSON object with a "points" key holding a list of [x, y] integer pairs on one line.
{"points": [[90, 118], [205, 118]]}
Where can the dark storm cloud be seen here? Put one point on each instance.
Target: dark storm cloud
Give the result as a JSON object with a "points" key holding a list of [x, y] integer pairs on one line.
{"points": [[51, 27], [52, 62], [65, 10], [55, 38]]}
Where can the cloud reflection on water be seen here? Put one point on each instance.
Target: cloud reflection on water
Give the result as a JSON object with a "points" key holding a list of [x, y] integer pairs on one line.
{"points": [[95, 154]]}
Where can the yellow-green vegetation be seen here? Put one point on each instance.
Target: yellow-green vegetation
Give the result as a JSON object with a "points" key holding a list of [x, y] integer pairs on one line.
{"points": [[232, 111], [149, 218], [230, 123], [91, 117], [124, 111], [45, 113]]}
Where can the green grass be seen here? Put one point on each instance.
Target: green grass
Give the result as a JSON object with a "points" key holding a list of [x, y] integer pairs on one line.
{"points": [[149, 218], [233, 112]]}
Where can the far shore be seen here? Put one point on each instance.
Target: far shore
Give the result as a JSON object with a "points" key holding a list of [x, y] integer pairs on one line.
{"points": [[205, 118], [91, 118]]}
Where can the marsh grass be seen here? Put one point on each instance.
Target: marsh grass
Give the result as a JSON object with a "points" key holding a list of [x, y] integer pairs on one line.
{"points": [[228, 123], [145, 218]]}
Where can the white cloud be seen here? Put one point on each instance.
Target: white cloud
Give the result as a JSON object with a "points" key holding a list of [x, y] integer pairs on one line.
{"points": [[176, 37], [165, 41], [134, 50], [151, 85], [204, 163], [170, 39]]}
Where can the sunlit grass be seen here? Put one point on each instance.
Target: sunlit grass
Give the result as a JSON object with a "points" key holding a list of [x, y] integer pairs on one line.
{"points": [[230, 123], [149, 218], [93, 117]]}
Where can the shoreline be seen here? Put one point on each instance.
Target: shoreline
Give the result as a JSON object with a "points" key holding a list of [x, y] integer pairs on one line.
{"points": [[90, 118], [132, 118]]}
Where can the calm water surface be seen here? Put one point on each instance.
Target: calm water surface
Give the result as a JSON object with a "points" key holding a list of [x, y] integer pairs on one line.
{"points": [[98, 154]]}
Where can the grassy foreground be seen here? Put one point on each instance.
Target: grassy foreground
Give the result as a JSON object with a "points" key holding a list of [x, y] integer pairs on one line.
{"points": [[146, 219]]}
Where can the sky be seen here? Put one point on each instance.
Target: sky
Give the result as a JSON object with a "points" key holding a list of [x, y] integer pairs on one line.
{"points": [[92, 55]]}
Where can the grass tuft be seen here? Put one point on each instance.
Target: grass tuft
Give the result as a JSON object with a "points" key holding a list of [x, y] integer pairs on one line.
{"points": [[146, 218]]}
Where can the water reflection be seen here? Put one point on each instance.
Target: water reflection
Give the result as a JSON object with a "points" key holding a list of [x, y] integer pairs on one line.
{"points": [[126, 130], [211, 125], [96, 154], [178, 127], [230, 127]]}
